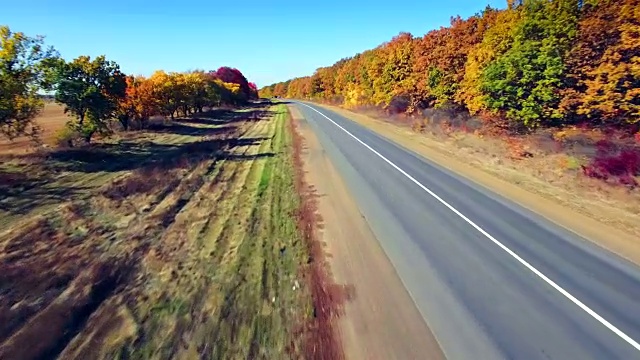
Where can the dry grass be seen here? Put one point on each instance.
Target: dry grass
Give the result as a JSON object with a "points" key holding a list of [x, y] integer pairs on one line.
{"points": [[329, 298], [175, 243], [535, 164]]}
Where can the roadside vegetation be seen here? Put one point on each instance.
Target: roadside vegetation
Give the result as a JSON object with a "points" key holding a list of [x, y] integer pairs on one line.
{"points": [[150, 218], [553, 80], [182, 241]]}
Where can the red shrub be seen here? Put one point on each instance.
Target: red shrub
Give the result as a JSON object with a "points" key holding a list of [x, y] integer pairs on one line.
{"points": [[611, 162]]}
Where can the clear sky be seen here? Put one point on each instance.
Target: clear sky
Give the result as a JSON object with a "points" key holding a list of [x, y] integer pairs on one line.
{"points": [[268, 40]]}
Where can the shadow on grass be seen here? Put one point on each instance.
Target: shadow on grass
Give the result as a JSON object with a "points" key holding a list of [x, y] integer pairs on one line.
{"points": [[180, 128], [236, 157], [21, 196], [219, 117], [133, 155], [23, 189]]}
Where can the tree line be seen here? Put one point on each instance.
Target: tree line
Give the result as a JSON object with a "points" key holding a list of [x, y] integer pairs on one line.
{"points": [[537, 63], [97, 93]]}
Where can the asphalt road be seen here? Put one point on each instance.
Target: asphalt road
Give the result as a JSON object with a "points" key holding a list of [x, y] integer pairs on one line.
{"points": [[491, 279]]}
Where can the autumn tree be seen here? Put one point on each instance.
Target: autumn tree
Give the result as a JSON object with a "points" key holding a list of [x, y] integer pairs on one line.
{"points": [[497, 40], [24, 62], [535, 63], [90, 90], [253, 90], [322, 84], [235, 76], [138, 104], [165, 93], [524, 83], [391, 69], [281, 89], [215, 93], [427, 73], [126, 109], [266, 91], [441, 58], [346, 82], [181, 92], [367, 68], [294, 90], [603, 85], [197, 87]]}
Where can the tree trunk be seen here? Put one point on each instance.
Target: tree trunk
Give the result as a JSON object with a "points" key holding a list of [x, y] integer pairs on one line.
{"points": [[124, 121], [87, 137]]}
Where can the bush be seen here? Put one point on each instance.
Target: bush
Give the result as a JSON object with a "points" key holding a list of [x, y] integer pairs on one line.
{"points": [[398, 105], [67, 137], [569, 163], [622, 165], [419, 125]]}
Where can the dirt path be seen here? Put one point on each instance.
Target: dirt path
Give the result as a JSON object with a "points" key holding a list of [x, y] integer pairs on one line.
{"points": [[588, 216], [380, 321]]}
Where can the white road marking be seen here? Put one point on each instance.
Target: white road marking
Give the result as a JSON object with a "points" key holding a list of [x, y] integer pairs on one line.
{"points": [[562, 291]]}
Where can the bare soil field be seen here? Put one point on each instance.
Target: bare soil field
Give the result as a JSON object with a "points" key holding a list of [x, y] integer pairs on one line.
{"points": [[50, 121], [545, 182], [178, 242]]}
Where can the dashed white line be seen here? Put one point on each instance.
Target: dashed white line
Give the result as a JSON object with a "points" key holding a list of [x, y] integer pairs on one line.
{"points": [[562, 291]]}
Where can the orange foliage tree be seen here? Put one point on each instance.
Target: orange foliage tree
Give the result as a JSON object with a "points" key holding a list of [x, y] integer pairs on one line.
{"points": [[603, 86], [535, 63]]}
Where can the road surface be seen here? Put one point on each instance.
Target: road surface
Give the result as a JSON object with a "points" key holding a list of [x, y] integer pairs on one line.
{"points": [[490, 278]]}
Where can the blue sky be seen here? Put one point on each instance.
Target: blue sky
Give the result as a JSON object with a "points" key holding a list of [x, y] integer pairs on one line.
{"points": [[268, 40]]}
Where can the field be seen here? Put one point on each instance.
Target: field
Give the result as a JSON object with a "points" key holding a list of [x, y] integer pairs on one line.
{"points": [[49, 121], [180, 241]]}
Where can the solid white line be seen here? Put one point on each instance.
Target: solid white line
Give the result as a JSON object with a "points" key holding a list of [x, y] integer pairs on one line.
{"points": [[562, 291]]}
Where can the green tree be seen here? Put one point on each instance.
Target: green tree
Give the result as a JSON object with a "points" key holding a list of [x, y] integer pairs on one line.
{"points": [[497, 40], [23, 65], [90, 91], [525, 82]]}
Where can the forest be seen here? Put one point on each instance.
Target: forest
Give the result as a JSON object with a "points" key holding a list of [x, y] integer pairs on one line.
{"points": [[535, 64]]}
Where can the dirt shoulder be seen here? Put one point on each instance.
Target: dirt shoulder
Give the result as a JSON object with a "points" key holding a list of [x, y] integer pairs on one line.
{"points": [[610, 221], [379, 321]]}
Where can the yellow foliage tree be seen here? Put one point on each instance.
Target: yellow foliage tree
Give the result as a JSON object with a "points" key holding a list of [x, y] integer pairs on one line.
{"points": [[496, 41], [613, 86]]}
